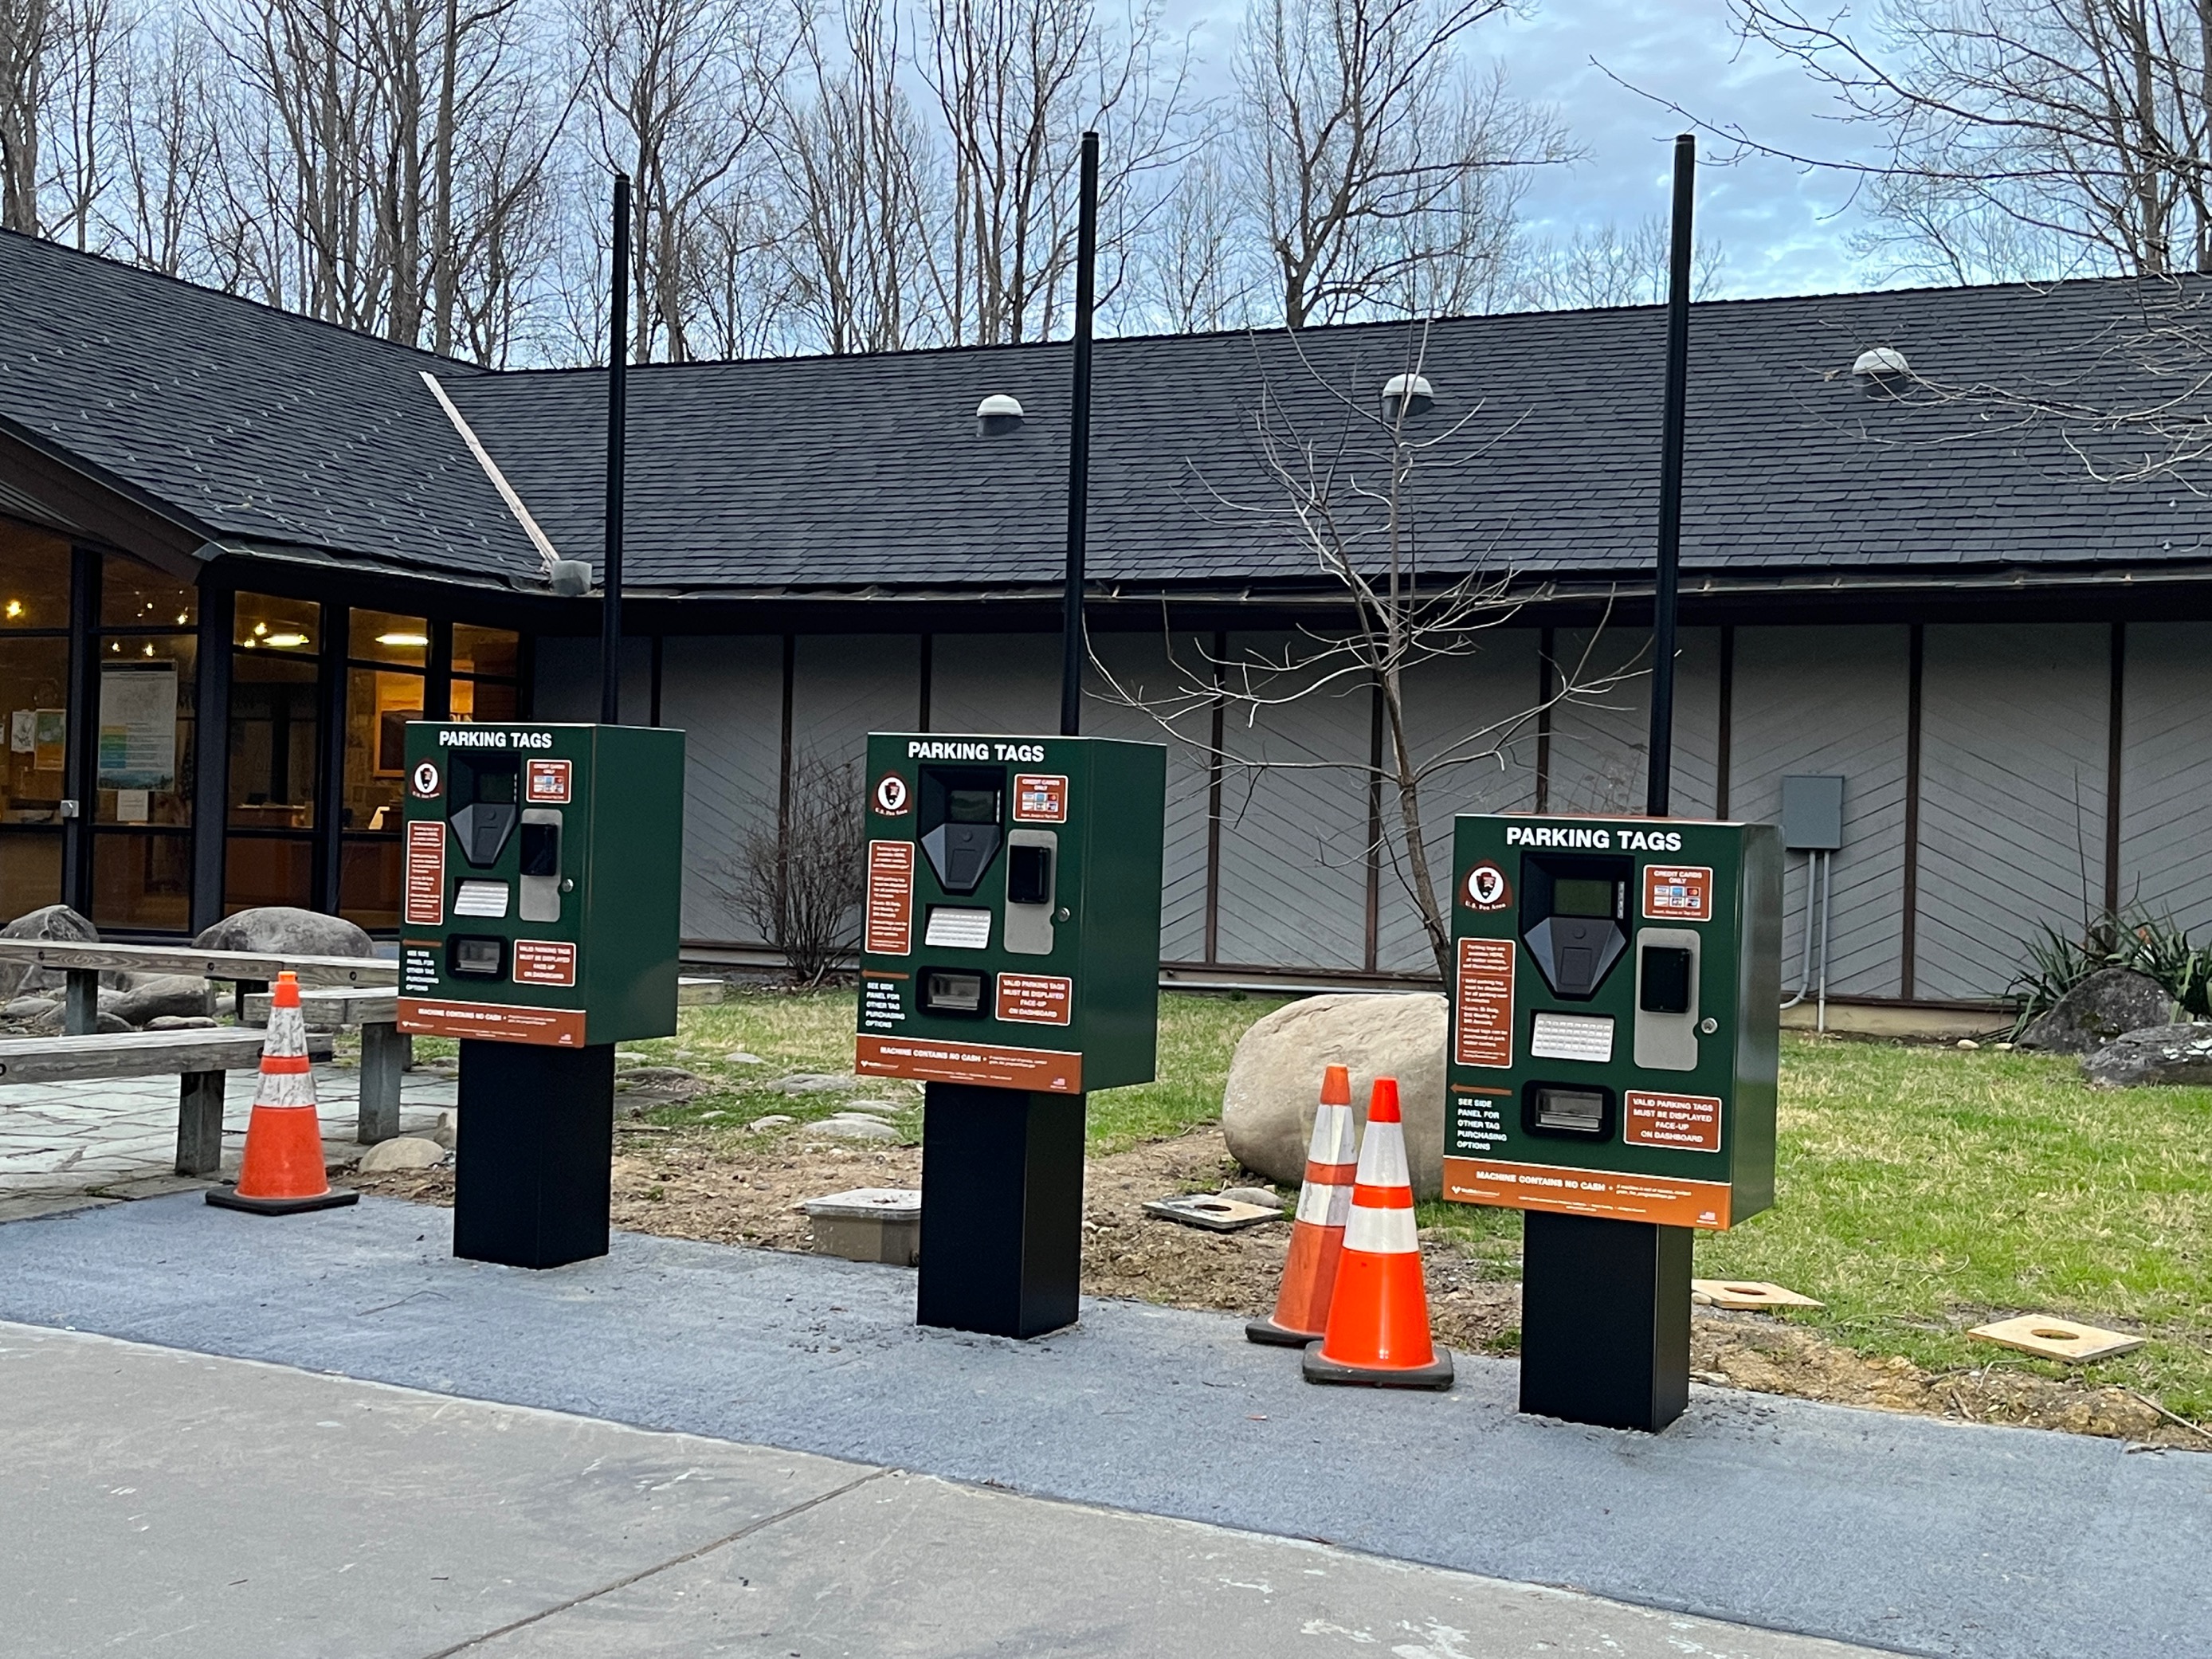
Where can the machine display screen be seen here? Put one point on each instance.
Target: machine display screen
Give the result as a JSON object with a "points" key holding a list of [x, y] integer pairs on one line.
{"points": [[1581, 896], [971, 806]]}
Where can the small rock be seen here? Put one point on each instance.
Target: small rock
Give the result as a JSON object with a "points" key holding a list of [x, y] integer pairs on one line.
{"points": [[113, 1023], [1267, 1197], [814, 1082], [740, 1057], [183, 995], [444, 1134], [29, 1008], [854, 1127], [179, 1022], [1968, 1043], [403, 1153], [881, 1108], [2107, 1005], [772, 1121], [2162, 1054], [2000, 1047]]}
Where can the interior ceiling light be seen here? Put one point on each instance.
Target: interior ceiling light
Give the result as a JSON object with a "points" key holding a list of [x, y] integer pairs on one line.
{"points": [[150, 650], [260, 628], [402, 638], [15, 608], [286, 640]]}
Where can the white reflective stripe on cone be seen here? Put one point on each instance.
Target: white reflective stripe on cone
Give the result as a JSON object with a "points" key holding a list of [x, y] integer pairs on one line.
{"points": [[1381, 1232], [1382, 1157], [286, 1088], [1324, 1205], [1334, 1137], [287, 1033]]}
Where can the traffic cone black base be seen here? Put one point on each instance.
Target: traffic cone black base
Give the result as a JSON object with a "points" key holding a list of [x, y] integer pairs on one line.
{"points": [[1276, 1336], [226, 1198], [1436, 1376]]}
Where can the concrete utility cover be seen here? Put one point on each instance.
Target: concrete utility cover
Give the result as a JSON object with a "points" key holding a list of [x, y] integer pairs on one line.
{"points": [[1212, 1212]]}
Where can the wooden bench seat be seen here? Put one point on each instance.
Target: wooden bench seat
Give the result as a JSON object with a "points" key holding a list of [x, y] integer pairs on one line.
{"points": [[200, 1058]]}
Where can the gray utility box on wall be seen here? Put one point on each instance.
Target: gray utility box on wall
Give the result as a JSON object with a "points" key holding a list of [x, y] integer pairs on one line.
{"points": [[1811, 814]]}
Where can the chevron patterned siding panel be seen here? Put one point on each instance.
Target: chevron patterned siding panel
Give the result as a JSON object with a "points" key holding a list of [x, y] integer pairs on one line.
{"points": [[727, 695], [1293, 842], [1601, 735], [994, 684], [1156, 670], [565, 685], [1831, 699], [2165, 771], [2014, 743]]}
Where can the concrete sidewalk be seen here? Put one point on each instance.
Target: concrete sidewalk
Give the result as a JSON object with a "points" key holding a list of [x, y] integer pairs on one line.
{"points": [[209, 1508], [1885, 1530]]}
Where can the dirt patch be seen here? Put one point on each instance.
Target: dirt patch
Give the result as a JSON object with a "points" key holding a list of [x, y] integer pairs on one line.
{"points": [[683, 1184]]}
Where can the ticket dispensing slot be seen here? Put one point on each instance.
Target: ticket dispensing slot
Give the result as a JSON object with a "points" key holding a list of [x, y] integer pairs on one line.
{"points": [[1567, 1111], [475, 956], [484, 807], [1574, 918], [1031, 856], [1666, 960], [960, 992], [961, 814], [540, 897]]}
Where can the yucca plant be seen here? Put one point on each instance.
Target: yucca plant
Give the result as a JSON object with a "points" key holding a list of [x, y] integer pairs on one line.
{"points": [[2152, 944]]}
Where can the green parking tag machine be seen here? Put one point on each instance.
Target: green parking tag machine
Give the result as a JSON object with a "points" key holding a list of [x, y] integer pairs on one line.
{"points": [[1010, 964], [540, 882], [1613, 1046]]}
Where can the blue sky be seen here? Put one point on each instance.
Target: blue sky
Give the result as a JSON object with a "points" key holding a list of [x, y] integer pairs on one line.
{"points": [[1783, 231]]}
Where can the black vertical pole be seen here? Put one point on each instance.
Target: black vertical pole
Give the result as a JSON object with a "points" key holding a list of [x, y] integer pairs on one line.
{"points": [[611, 574], [1670, 482], [1079, 444]]}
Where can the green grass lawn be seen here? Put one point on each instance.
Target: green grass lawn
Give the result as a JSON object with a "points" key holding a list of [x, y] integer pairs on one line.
{"points": [[1922, 1190]]}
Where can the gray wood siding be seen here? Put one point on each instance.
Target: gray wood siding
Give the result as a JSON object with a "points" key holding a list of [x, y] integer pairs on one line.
{"points": [[1831, 699], [844, 686], [1458, 705], [1600, 737], [1141, 666], [994, 684], [565, 683], [2015, 729], [727, 695], [2165, 771], [1294, 831]]}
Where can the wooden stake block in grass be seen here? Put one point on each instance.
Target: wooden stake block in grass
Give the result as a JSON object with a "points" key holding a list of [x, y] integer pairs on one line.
{"points": [[1746, 1293], [2049, 1338]]}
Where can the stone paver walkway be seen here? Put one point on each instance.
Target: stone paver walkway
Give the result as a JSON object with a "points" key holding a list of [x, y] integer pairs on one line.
{"points": [[63, 1143]]}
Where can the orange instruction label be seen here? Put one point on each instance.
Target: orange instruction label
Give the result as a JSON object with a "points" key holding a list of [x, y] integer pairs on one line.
{"points": [[553, 1028], [1036, 998], [426, 873], [1588, 1191], [1482, 1010], [1678, 892], [889, 926], [989, 1064], [1691, 1122], [546, 783], [1040, 798], [544, 961]]}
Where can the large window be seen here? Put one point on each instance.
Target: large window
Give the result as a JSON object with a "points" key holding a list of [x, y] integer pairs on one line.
{"points": [[487, 671], [35, 603], [142, 806], [387, 675], [268, 855]]}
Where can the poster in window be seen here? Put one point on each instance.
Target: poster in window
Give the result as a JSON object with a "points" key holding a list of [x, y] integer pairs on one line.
{"points": [[49, 739], [138, 727]]}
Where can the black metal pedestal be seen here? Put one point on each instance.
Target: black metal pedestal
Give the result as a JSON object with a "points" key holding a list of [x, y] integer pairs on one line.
{"points": [[534, 1155], [1001, 1210], [1605, 1321]]}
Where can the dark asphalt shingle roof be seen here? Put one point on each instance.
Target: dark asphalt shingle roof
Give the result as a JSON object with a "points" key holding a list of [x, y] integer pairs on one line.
{"points": [[245, 420], [854, 472]]}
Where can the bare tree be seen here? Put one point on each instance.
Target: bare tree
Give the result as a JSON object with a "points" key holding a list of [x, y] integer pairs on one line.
{"points": [[1602, 266], [28, 33], [1340, 477], [680, 90], [165, 144], [1366, 143], [1196, 268], [2082, 127], [800, 879]]}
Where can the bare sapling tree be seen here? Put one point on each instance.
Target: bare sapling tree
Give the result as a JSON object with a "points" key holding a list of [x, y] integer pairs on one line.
{"points": [[1340, 477], [801, 878], [2017, 139], [1372, 156], [1602, 266]]}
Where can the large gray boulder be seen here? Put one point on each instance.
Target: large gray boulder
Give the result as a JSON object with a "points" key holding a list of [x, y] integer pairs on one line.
{"points": [[1275, 1078], [180, 996], [2108, 1004], [54, 921], [2161, 1054], [279, 929]]}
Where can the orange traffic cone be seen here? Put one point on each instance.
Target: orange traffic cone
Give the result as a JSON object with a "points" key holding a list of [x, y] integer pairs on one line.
{"points": [[1378, 1320], [1317, 1235], [283, 1167]]}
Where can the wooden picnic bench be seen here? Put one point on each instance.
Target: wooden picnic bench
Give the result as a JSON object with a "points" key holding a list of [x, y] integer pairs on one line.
{"points": [[344, 991], [201, 1058]]}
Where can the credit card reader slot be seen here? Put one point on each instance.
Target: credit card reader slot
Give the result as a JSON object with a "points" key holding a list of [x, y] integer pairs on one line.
{"points": [[539, 897], [1666, 961], [1032, 861]]}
